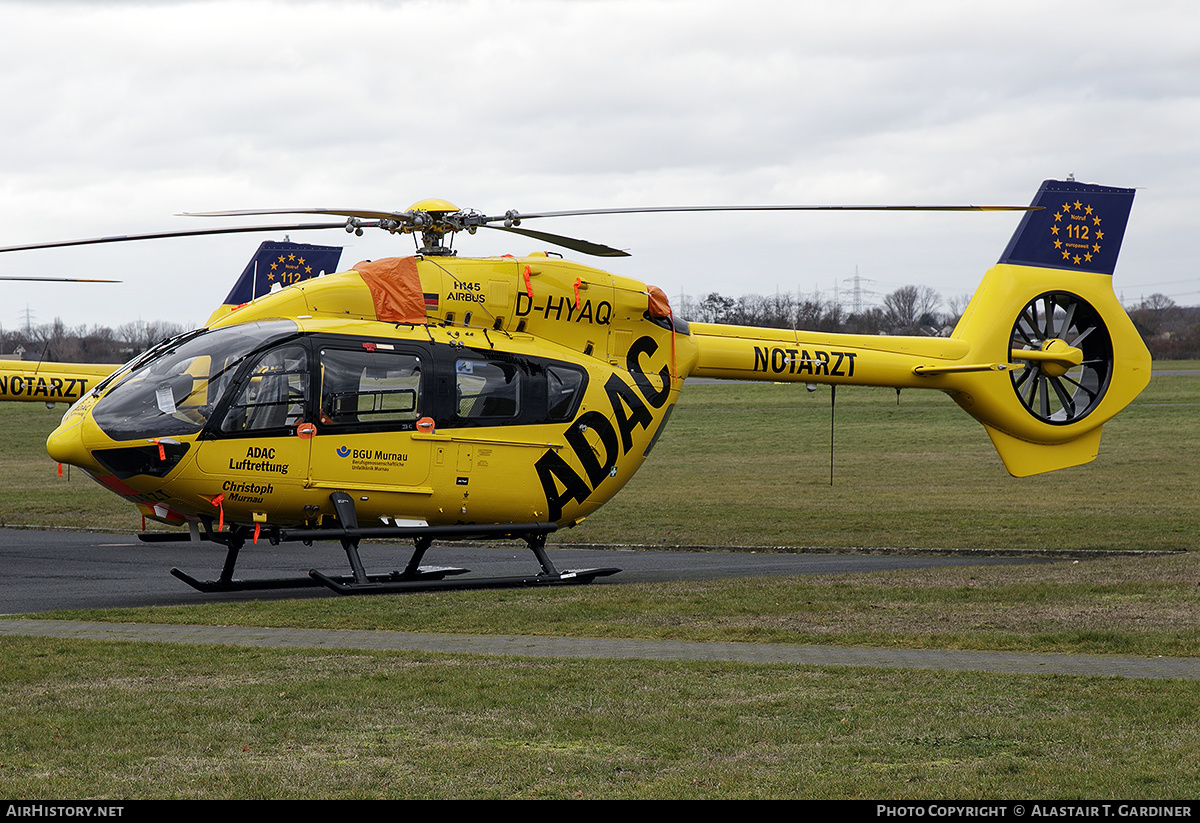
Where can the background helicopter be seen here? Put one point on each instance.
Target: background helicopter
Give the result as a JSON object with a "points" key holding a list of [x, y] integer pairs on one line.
{"points": [[438, 396], [49, 384], [274, 264]]}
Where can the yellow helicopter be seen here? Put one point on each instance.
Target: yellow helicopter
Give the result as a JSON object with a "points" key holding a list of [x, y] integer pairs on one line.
{"points": [[436, 396]]}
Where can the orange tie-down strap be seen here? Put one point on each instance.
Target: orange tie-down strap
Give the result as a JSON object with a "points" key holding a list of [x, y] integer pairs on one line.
{"points": [[661, 307], [395, 289]]}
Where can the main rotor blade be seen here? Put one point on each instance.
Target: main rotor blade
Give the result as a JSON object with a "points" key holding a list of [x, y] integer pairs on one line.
{"points": [[472, 219], [661, 209], [366, 214], [61, 279], [122, 238], [574, 244]]}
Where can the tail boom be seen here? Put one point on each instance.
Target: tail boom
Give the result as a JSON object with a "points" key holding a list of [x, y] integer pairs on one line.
{"points": [[742, 353], [49, 382], [1043, 356]]}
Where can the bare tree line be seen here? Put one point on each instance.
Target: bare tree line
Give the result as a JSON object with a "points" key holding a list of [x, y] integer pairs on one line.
{"points": [[56, 342], [1171, 332], [907, 310]]}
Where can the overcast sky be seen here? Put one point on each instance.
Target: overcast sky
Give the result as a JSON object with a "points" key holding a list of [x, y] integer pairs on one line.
{"points": [[119, 115]]}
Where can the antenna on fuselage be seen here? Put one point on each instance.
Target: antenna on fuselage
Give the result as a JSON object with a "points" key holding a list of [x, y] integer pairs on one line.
{"points": [[832, 403]]}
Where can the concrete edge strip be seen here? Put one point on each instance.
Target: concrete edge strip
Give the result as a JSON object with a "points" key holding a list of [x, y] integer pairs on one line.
{"points": [[627, 649]]}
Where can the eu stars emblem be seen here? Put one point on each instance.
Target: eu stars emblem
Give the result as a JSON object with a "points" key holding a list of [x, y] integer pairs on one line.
{"points": [[1076, 232], [1074, 226]]}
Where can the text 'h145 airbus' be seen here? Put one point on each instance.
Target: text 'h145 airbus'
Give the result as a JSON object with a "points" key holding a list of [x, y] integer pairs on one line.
{"points": [[437, 396]]}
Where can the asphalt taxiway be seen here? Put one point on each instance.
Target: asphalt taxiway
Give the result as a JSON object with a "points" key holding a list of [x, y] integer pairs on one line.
{"points": [[48, 570], [42, 571]]}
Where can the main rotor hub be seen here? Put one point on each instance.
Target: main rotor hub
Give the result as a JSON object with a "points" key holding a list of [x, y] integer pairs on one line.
{"points": [[434, 206], [432, 219]]}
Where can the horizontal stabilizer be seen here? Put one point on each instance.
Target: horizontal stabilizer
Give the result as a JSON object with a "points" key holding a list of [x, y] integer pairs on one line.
{"points": [[1023, 458]]}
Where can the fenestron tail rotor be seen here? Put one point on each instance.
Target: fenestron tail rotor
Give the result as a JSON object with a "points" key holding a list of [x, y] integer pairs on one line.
{"points": [[1068, 357]]}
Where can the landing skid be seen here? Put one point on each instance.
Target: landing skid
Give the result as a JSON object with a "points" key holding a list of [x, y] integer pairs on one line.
{"points": [[567, 578], [414, 576], [425, 574]]}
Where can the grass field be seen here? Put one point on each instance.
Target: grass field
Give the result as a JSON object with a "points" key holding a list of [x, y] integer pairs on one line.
{"points": [[740, 466], [750, 465], [127, 720]]}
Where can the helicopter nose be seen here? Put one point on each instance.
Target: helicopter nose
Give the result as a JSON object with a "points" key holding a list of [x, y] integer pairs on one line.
{"points": [[65, 445]]}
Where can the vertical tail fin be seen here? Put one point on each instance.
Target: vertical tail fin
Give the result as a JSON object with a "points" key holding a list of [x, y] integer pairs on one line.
{"points": [[278, 263], [1078, 227]]}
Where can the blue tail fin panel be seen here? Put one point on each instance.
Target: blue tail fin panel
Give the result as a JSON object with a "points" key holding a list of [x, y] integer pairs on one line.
{"points": [[1079, 227], [282, 263]]}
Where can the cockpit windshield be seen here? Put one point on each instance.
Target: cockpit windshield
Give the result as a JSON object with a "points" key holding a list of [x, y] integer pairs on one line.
{"points": [[175, 391]]}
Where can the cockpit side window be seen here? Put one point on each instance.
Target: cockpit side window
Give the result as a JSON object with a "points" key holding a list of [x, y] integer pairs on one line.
{"points": [[564, 385], [176, 388], [487, 390], [274, 393], [478, 388], [370, 389]]}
